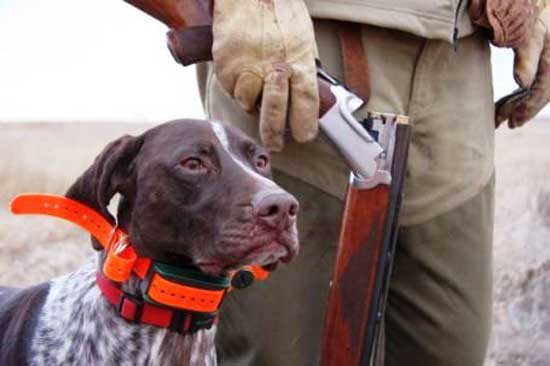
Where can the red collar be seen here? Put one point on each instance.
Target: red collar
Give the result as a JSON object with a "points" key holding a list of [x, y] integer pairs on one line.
{"points": [[137, 310], [169, 298]]}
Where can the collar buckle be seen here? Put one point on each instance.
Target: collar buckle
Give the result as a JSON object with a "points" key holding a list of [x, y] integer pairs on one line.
{"points": [[130, 307], [202, 321]]}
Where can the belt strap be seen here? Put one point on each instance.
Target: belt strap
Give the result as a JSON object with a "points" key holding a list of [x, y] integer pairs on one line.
{"points": [[354, 59]]}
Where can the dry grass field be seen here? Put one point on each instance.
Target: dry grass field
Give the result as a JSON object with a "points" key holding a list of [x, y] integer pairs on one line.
{"points": [[48, 157], [521, 333]]}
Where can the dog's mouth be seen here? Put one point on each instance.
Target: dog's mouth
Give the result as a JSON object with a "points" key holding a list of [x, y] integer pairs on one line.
{"points": [[268, 257], [266, 252]]}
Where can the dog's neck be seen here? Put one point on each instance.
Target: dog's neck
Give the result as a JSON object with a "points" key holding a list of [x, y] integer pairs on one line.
{"points": [[79, 327]]}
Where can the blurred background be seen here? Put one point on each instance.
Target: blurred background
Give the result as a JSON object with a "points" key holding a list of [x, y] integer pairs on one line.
{"points": [[76, 74]]}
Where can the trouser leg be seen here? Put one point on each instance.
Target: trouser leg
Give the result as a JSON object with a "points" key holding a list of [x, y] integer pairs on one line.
{"points": [[439, 305]]}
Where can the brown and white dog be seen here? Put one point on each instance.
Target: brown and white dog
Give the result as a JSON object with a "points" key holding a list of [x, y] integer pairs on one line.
{"points": [[193, 192]]}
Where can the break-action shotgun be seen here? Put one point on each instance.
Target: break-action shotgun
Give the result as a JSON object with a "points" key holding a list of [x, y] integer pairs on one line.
{"points": [[375, 149]]}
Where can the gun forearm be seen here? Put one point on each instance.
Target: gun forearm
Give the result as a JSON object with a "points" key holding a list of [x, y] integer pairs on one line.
{"points": [[361, 274]]}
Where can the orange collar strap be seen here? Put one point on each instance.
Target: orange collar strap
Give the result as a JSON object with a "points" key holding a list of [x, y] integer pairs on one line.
{"points": [[121, 257], [174, 287]]}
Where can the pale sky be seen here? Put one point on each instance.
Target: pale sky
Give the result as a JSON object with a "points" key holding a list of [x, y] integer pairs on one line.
{"points": [[102, 60]]}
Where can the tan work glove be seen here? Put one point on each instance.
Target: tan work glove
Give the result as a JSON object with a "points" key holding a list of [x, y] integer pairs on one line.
{"points": [[267, 48], [524, 26]]}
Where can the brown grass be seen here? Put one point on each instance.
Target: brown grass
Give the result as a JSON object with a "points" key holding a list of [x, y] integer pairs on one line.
{"points": [[521, 330], [45, 158]]}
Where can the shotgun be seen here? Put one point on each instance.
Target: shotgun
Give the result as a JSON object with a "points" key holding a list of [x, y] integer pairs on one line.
{"points": [[375, 150]]}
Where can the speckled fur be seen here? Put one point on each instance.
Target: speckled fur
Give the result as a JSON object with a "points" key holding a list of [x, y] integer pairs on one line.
{"points": [[79, 327]]}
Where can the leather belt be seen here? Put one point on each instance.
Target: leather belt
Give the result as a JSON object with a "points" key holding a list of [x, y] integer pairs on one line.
{"points": [[354, 59]]}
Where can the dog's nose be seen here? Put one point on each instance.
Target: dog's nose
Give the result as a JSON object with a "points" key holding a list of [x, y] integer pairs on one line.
{"points": [[278, 210]]}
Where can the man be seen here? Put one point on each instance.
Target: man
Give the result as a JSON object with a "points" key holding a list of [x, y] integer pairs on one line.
{"points": [[429, 60]]}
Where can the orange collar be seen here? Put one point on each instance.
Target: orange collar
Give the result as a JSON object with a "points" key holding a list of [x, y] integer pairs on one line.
{"points": [[162, 285]]}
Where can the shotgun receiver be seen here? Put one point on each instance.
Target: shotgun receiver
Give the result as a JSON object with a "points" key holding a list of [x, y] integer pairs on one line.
{"points": [[375, 150]]}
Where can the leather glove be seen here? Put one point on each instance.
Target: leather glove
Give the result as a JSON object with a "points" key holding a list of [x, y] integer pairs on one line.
{"points": [[509, 21], [267, 49], [523, 25]]}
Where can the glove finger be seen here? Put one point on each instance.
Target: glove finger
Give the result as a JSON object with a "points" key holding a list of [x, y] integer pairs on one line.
{"points": [[527, 58], [511, 21], [511, 10], [247, 90], [504, 107], [523, 105], [274, 108], [304, 105], [528, 107], [498, 16], [517, 30], [476, 10]]}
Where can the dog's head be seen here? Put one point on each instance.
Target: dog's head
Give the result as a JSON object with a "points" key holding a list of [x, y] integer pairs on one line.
{"points": [[194, 192]]}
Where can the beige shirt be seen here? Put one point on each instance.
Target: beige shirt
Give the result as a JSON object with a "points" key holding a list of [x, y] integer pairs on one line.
{"points": [[444, 20], [447, 94]]}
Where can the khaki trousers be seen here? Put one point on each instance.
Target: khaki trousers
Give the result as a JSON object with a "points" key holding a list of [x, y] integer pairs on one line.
{"points": [[439, 306]]}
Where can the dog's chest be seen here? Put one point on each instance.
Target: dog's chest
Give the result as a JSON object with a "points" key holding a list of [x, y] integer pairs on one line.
{"points": [[78, 327]]}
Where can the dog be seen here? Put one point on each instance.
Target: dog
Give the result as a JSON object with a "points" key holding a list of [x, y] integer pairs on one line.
{"points": [[194, 193]]}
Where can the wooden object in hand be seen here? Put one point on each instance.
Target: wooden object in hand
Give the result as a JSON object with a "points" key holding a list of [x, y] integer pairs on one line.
{"points": [[361, 274]]}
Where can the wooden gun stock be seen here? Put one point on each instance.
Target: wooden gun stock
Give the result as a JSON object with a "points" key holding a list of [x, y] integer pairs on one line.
{"points": [[363, 265], [177, 14], [190, 22]]}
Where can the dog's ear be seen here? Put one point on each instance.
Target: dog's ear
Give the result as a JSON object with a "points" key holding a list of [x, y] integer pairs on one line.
{"points": [[109, 174]]}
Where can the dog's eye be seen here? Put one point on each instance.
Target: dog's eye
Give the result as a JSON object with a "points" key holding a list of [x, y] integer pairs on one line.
{"points": [[193, 165], [262, 162]]}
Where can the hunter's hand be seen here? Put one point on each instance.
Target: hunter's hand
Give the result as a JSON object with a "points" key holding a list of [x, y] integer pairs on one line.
{"points": [[524, 26], [532, 73], [267, 48]]}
